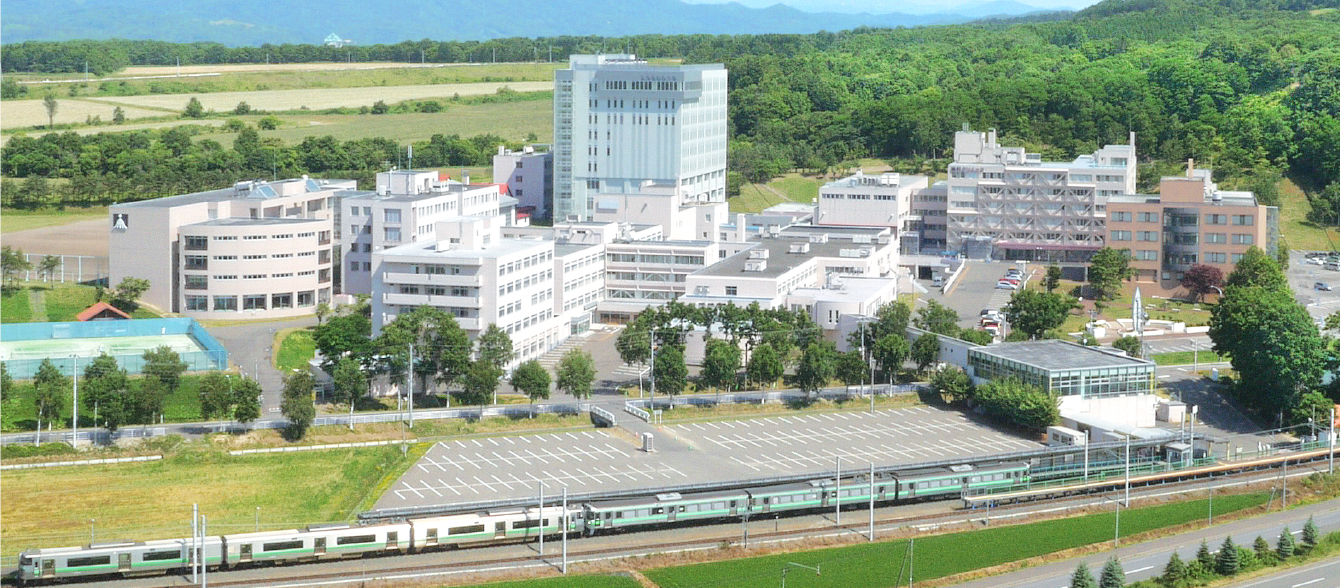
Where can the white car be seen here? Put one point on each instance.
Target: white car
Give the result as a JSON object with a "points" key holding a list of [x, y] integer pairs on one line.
{"points": [[1006, 286]]}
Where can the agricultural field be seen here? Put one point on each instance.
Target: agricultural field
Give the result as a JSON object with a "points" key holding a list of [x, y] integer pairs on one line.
{"points": [[875, 565], [323, 98], [22, 220], [31, 113], [510, 120], [588, 581], [153, 499]]}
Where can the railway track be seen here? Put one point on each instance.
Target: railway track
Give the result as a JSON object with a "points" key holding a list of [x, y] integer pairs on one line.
{"points": [[487, 559]]}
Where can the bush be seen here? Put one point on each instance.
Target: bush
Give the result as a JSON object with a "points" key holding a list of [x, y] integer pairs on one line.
{"points": [[234, 126], [380, 107], [268, 123]]}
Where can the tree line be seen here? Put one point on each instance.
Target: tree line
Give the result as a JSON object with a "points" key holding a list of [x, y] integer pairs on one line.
{"points": [[136, 165]]}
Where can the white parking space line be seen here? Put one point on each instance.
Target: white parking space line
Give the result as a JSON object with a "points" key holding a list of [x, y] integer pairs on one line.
{"points": [[483, 483], [484, 459], [499, 480], [493, 441], [448, 486]]}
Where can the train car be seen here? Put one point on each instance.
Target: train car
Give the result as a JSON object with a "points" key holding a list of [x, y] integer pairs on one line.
{"points": [[669, 507], [315, 542], [954, 480], [492, 526], [125, 558]]}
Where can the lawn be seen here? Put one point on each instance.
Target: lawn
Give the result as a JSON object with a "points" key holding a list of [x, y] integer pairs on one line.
{"points": [[14, 306], [1187, 357], [882, 564], [296, 348], [153, 500], [65, 301], [19, 413], [21, 220]]}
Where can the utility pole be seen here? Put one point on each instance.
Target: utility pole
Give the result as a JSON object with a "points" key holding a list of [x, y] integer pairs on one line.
{"points": [[1128, 471], [1194, 410], [837, 492], [1086, 457], [409, 385], [195, 539], [872, 502], [74, 371], [565, 529], [1330, 432], [204, 565], [651, 342], [541, 521]]}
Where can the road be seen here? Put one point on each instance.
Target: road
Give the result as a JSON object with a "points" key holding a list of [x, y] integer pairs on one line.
{"points": [[1321, 574], [1146, 560]]}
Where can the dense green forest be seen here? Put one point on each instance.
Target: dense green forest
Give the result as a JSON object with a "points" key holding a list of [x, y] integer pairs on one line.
{"points": [[1249, 87]]}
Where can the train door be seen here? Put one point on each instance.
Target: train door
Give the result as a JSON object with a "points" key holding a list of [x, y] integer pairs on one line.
{"points": [[432, 538], [245, 554], [670, 514], [319, 548], [48, 569], [123, 562], [767, 503], [499, 530], [392, 539], [734, 507]]}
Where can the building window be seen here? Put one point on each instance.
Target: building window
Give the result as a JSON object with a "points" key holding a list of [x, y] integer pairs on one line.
{"points": [[197, 243], [253, 302], [1243, 239], [1121, 235], [1121, 217], [197, 282], [1216, 238], [197, 262], [732, 291], [307, 298], [1147, 255], [281, 300], [392, 234], [1216, 219], [391, 215], [225, 303], [1216, 257], [1236, 257], [1147, 236], [1149, 217], [197, 303], [1244, 220]]}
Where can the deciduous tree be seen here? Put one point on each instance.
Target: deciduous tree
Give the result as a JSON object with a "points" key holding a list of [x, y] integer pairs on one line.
{"points": [[952, 384], [164, 365], [816, 367], [495, 346], [530, 378], [576, 371], [479, 384], [48, 266], [1272, 343], [128, 292], [1202, 279], [247, 400], [1052, 280], [890, 352], [936, 318], [193, 109], [216, 396], [50, 389], [1107, 270], [1015, 402], [1130, 344], [349, 383], [925, 350], [1034, 313], [1256, 269], [297, 404], [52, 106], [670, 371], [721, 364], [765, 366]]}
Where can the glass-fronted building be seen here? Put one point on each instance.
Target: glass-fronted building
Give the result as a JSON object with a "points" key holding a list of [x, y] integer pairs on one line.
{"points": [[1064, 368]]}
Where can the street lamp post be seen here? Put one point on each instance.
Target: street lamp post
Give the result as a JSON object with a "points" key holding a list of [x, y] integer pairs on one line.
{"points": [[74, 371], [258, 519]]}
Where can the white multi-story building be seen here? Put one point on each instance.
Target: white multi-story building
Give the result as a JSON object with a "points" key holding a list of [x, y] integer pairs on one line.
{"points": [[405, 208], [475, 274], [529, 177], [255, 249], [1029, 209], [884, 200], [620, 122], [664, 205]]}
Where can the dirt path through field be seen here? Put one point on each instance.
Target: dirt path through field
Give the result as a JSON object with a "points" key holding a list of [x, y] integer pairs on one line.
{"points": [[81, 238]]}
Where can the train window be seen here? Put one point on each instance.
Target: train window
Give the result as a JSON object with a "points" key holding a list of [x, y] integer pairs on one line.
{"points": [[681, 509], [524, 524], [767, 500], [832, 494], [281, 545], [393, 538], [25, 560], [881, 489], [97, 560], [161, 555], [355, 539], [618, 515], [732, 503], [658, 510], [465, 530], [608, 514]]}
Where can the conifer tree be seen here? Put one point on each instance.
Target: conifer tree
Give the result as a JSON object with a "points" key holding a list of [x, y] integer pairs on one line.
{"points": [[1309, 534], [1227, 562], [1082, 578], [1263, 552], [1113, 575], [1204, 557], [1174, 573], [1284, 546]]}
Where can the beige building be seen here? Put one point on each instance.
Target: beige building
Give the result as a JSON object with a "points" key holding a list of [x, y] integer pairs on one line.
{"points": [[202, 252], [885, 200], [1191, 221]]}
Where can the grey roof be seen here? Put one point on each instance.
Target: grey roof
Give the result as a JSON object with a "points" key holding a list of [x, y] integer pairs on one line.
{"points": [[261, 191], [242, 221], [780, 259], [1056, 355], [562, 249], [500, 248]]}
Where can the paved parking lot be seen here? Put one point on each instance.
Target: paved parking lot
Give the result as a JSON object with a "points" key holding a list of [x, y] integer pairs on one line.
{"points": [[509, 467], [493, 468], [796, 444], [976, 289]]}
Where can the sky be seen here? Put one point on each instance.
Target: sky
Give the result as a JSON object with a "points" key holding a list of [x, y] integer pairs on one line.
{"points": [[887, 6]]}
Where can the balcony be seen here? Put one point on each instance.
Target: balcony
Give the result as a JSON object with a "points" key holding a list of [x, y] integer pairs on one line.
{"points": [[430, 299], [433, 279]]}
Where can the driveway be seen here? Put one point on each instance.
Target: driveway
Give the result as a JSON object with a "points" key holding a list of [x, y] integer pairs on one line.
{"points": [[249, 348]]}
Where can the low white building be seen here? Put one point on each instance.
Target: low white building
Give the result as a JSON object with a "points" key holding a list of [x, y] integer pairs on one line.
{"points": [[473, 273], [405, 208], [682, 218], [884, 200], [528, 175]]}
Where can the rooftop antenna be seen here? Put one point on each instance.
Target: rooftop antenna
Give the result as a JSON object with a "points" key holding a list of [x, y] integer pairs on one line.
{"points": [[411, 156]]}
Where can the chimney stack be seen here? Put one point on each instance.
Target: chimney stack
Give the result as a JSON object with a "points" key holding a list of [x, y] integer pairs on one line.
{"points": [[1190, 167]]}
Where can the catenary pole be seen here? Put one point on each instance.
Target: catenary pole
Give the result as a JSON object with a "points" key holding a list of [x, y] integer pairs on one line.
{"points": [[1128, 471], [409, 385], [837, 492], [565, 529], [541, 521], [1331, 429], [1086, 457], [74, 371], [872, 502], [204, 567], [195, 537]]}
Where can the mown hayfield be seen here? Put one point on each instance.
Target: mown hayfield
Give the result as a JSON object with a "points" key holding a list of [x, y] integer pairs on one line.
{"points": [[153, 499], [323, 98], [480, 69], [510, 120], [31, 113]]}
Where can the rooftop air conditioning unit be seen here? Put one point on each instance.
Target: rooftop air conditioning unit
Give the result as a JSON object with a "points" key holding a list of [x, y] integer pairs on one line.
{"points": [[758, 253], [774, 230], [849, 253], [866, 251], [700, 290], [821, 238], [755, 265], [800, 248], [860, 238]]}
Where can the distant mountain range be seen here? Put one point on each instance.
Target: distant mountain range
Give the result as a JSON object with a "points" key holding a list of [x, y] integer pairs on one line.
{"points": [[242, 23]]}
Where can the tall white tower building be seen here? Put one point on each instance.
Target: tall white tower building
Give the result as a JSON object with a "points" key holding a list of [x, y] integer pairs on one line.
{"points": [[621, 124]]}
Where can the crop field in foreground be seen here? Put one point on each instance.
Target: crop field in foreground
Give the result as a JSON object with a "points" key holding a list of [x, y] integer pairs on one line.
{"points": [[30, 113], [153, 499], [874, 565]]}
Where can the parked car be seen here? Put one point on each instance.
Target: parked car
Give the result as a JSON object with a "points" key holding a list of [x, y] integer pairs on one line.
{"points": [[1003, 285], [1014, 281], [1323, 286], [1014, 272], [1316, 260]]}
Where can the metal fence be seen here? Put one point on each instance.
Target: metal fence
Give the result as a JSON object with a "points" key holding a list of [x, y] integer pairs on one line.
{"points": [[75, 269], [644, 407], [212, 356]]}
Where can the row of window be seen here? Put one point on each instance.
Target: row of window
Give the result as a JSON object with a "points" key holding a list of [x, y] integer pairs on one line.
{"points": [[256, 301], [526, 262], [661, 259], [201, 242], [584, 300], [529, 321], [583, 281]]}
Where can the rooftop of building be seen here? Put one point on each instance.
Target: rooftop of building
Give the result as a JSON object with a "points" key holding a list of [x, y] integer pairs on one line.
{"points": [[1217, 197], [501, 248], [562, 249], [248, 190], [781, 257], [238, 221], [847, 288], [884, 180], [631, 61], [1058, 355]]}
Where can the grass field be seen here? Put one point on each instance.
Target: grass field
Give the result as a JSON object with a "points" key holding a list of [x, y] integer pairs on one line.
{"points": [[321, 98], [511, 120], [882, 564], [22, 220], [1296, 230], [792, 187], [65, 301], [296, 348], [62, 301], [14, 307], [153, 500], [1186, 357], [31, 113]]}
